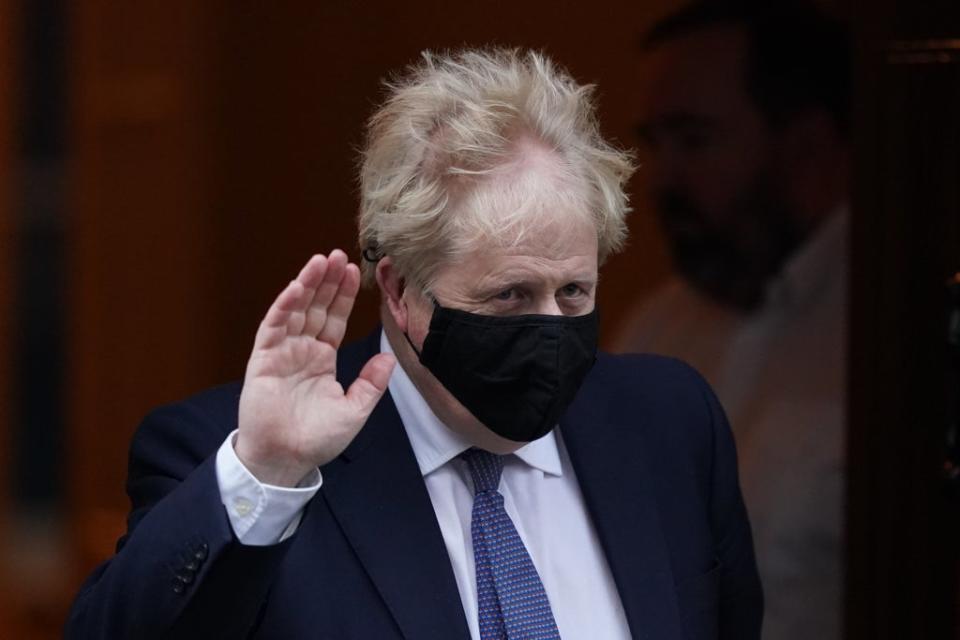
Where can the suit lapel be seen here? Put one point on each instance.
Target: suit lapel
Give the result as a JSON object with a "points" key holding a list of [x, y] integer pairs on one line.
{"points": [[376, 492], [618, 492]]}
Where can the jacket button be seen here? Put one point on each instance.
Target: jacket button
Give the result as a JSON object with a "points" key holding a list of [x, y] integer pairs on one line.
{"points": [[200, 553], [192, 565], [185, 578], [178, 587]]}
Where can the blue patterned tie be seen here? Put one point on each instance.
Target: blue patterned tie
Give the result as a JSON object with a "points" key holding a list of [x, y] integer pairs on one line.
{"points": [[511, 601]]}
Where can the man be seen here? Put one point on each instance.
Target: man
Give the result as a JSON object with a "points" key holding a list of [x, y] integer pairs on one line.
{"points": [[475, 469], [744, 119]]}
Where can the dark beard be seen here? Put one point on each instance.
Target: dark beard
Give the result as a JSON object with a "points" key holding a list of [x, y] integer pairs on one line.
{"points": [[732, 263]]}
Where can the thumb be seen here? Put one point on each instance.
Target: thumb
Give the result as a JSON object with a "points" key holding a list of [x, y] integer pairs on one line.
{"points": [[371, 384]]}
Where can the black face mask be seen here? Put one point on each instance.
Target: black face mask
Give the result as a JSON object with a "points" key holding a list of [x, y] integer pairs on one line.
{"points": [[516, 374]]}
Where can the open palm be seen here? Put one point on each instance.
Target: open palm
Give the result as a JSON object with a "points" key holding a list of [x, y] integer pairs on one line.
{"points": [[294, 415]]}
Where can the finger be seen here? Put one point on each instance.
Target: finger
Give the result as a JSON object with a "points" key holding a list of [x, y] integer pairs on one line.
{"points": [[312, 273], [336, 264], [280, 317], [310, 277], [339, 311], [325, 292], [273, 327], [371, 384]]}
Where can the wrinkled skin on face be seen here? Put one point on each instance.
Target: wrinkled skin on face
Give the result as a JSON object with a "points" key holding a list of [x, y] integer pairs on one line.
{"points": [[554, 272], [550, 269]]}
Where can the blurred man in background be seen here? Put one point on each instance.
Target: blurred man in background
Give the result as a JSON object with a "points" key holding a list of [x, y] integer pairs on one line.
{"points": [[745, 121]]}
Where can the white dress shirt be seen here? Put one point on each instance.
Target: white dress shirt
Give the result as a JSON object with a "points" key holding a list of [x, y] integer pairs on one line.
{"points": [[540, 492], [780, 374]]}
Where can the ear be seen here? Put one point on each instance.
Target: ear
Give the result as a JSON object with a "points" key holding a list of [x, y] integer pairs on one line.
{"points": [[392, 287]]}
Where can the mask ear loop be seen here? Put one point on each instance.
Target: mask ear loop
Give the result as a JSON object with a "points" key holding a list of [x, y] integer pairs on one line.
{"points": [[436, 305], [373, 255], [410, 342]]}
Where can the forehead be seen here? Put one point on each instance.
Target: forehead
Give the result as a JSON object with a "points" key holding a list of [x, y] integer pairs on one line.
{"points": [[551, 253], [702, 72], [530, 218], [532, 205]]}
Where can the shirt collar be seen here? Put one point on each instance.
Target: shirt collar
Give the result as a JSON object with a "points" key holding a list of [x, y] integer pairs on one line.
{"points": [[434, 444]]}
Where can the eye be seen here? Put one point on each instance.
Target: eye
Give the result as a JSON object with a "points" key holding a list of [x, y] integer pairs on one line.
{"points": [[571, 290], [506, 294]]}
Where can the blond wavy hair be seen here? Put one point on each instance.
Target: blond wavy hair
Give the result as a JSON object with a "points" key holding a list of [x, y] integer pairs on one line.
{"points": [[438, 174]]}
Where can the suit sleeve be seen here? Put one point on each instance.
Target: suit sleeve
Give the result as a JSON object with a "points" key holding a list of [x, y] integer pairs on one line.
{"points": [[179, 571], [741, 596]]}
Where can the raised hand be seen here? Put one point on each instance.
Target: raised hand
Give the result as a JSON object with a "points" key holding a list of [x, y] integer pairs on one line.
{"points": [[294, 415]]}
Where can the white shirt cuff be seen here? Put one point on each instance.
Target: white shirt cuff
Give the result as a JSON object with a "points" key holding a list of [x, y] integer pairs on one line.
{"points": [[260, 514]]}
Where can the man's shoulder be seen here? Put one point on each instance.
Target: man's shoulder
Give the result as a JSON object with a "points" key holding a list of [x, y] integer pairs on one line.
{"points": [[225, 397], [649, 371], [195, 426], [209, 415], [661, 399], [648, 385]]}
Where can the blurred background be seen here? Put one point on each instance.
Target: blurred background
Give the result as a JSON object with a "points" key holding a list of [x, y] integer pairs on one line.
{"points": [[165, 167]]}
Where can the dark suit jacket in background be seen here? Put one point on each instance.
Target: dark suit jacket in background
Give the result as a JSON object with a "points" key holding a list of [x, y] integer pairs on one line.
{"points": [[650, 446]]}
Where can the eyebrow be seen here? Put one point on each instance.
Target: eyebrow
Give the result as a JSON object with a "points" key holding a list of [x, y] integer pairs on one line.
{"points": [[498, 283]]}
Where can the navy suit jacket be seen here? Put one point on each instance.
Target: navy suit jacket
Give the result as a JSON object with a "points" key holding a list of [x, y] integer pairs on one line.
{"points": [[648, 441]]}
